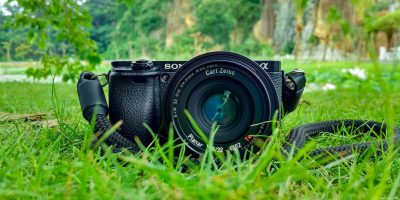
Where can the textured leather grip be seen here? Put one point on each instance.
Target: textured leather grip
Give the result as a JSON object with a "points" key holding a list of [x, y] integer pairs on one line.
{"points": [[136, 100]]}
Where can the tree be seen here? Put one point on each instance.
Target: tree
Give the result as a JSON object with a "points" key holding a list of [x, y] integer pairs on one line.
{"points": [[178, 20], [284, 34], [214, 23], [300, 7], [68, 22], [265, 27], [332, 18], [388, 23], [104, 14], [245, 13], [7, 47]]}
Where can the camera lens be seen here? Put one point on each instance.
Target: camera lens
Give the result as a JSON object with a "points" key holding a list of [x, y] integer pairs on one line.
{"points": [[223, 101], [223, 88]]}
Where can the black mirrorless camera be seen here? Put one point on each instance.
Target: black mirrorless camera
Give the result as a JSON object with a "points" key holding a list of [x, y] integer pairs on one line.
{"points": [[240, 95]]}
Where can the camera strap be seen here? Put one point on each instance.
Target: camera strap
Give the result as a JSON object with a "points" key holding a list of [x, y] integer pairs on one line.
{"points": [[296, 139], [299, 135]]}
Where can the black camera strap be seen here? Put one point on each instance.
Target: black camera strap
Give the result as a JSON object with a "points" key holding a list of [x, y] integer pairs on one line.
{"points": [[299, 135], [296, 139]]}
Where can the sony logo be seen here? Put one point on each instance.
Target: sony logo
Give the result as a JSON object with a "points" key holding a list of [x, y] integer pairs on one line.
{"points": [[172, 66]]}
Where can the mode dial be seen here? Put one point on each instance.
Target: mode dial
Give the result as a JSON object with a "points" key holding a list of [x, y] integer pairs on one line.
{"points": [[141, 64]]}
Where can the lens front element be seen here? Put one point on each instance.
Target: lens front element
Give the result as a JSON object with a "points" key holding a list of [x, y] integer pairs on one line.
{"points": [[225, 101], [221, 107]]}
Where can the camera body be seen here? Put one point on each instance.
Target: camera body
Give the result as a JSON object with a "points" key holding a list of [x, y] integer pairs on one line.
{"points": [[160, 92]]}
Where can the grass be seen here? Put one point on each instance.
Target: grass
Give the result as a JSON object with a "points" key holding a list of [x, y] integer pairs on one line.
{"points": [[48, 163]]}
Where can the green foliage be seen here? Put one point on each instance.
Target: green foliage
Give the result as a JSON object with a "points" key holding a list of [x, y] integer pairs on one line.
{"points": [[147, 22], [251, 45], [313, 40], [214, 23], [289, 47], [64, 32], [13, 44], [334, 15], [380, 6], [336, 20], [134, 27], [184, 47], [246, 13], [388, 22], [61, 21], [105, 15]]}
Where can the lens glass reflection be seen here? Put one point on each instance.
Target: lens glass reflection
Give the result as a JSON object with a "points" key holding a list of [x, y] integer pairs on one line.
{"points": [[221, 107]]}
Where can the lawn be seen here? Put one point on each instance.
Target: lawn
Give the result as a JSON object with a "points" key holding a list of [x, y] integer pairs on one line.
{"points": [[55, 162]]}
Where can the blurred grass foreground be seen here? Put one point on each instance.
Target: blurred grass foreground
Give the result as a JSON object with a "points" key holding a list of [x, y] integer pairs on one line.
{"points": [[349, 50]]}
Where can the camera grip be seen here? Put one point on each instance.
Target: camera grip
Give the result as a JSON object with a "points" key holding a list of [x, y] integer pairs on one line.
{"points": [[135, 100]]}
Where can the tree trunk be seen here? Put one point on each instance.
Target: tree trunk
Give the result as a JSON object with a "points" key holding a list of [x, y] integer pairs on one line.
{"points": [[267, 21], [299, 27], [178, 19], [389, 37], [8, 46], [172, 23], [310, 20], [325, 50], [284, 33], [63, 49]]}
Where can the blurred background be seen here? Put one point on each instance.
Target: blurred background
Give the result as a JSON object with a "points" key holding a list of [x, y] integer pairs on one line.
{"points": [[65, 37], [349, 50]]}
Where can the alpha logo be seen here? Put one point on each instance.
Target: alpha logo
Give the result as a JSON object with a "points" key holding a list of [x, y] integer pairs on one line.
{"points": [[264, 66]]}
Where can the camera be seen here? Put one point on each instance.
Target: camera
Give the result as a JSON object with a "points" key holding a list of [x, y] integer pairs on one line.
{"points": [[241, 96]]}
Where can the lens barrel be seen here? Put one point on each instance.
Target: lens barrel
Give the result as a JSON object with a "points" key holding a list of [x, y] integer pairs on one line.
{"points": [[224, 88]]}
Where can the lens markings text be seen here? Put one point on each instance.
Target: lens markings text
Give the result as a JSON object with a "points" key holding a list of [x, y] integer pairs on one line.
{"points": [[220, 71]]}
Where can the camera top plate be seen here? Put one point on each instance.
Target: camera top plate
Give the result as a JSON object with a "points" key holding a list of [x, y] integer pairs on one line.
{"points": [[172, 66]]}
